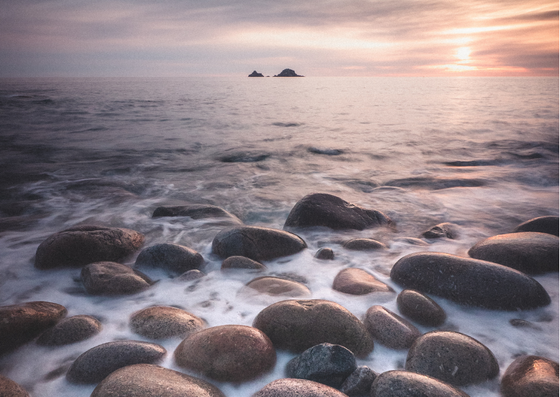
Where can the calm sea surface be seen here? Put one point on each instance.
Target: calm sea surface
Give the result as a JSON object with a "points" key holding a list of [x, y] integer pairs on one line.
{"points": [[479, 152]]}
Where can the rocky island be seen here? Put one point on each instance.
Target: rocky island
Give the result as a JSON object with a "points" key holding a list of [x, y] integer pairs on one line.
{"points": [[256, 74], [288, 73]]}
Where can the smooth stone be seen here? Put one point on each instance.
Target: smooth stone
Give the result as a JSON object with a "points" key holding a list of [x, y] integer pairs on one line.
{"points": [[409, 384], [96, 363], [363, 244], [227, 353], [70, 330], [22, 323], [321, 209], [9, 388], [542, 224], [81, 245], [257, 243], [241, 262], [324, 363], [190, 275], [530, 376], [244, 157], [452, 357], [390, 329], [469, 281], [146, 380], [175, 258], [442, 230], [297, 388], [110, 278], [411, 241], [327, 152], [358, 282], [420, 308], [297, 325], [194, 211], [528, 252], [161, 322], [358, 383], [277, 286], [325, 254]]}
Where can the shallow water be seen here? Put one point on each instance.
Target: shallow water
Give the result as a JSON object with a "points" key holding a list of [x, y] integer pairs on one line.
{"points": [[481, 153]]}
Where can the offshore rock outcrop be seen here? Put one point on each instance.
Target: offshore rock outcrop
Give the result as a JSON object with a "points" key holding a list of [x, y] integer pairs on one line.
{"points": [[287, 73], [256, 74]]}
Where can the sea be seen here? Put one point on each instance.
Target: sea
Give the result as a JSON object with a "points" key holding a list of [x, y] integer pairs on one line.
{"points": [[481, 153]]}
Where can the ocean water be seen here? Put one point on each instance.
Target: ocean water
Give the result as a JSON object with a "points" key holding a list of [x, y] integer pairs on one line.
{"points": [[478, 152]]}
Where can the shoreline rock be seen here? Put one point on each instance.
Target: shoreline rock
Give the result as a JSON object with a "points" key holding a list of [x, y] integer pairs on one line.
{"points": [[287, 73]]}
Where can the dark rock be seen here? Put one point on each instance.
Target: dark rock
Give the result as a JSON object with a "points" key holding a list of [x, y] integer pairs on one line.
{"points": [[160, 322], [194, 211], [530, 376], [363, 244], [22, 323], [411, 241], [320, 209], [390, 329], [469, 282], [257, 243], [528, 252], [327, 152], [95, 364], [70, 330], [324, 363], [297, 325], [442, 230], [420, 308], [542, 224], [255, 74], [520, 323], [297, 388], [358, 282], [325, 254], [227, 353], [277, 286], [409, 384], [244, 157], [148, 380], [435, 183], [81, 245], [190, 275], [287, 73], [241, 262], [174, 258], [452, 357], [358, 383], [9, 388], [110, 278]]}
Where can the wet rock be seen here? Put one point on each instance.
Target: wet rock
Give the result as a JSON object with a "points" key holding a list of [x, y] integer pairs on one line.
{"points": [[194, 211], [96, 363], [469, 281], [287, 73], [22, 323], [363, 244], [160, 322], [420, 308], [81, 245], [70, 330], [320, 209], [528, 252], [227, 353], [452, 357], [390, 329], [442, 230], [244, 157], [9, 388], [190, 275], [409, 384], [277, 286], [324, 363], [358, 282], [148, 380], [325, 254], [297, 325], [255, 74], [530, 376], [520, 323], [327, 152], [174, 258], [435, 183], [297, 388], [542, 224], [241, 262], [411, 241], [257, 243], [358, 383], [110, 278]]}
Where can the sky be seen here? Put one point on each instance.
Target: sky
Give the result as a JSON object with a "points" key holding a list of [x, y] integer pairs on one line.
{"points": [[139, 38]]}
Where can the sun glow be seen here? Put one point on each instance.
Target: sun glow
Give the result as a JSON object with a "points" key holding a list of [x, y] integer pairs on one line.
{"points": [[463, 53]]}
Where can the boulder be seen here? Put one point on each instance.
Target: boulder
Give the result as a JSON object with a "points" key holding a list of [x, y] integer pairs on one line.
{"points": [[149, 380], [321, 209], [110, 278], [195, 211], [255, 74], [452, 357], [161, 322], [257, 243], [227, 353], [542, 224], [9, 388], [420, 308], [325, 254], [287, 73], [81, 245], [241, 262], [358, 383], [297, 388], [469, 281], [442, 230], [528, 252], [277, 286], [324, 363], [409, 384], [297, 325], [96, 363], [363, 244], [22, 323], [174, 258], [358, 282], [190, 275], [390, 329], [530, 376], [70, 330]]}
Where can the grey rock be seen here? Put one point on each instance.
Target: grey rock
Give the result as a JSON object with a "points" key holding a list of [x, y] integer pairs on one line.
{"points": [[442, 230], [110, 278], [530, 376], [161, 322], [194, 211], [241, 262], [542, 224], [277, 286], [358, 383], [70, 330], [390, 329], [174, 258], [297, 388], [420, 308], [363, 244], [325, 254], [409, 384], [358, 282]]}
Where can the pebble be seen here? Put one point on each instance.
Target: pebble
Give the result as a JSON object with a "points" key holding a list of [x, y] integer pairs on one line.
{"points": [[530, 376], [111, 278], [363, 244], [358, 282], [288, 387], [174, 258], [161, 322], [325, 254], [194, 211], [241, 262], [9, 388], [358, 383], [277, 286], [442, 230], [70, 330], [542, 224], [409, 384], [420, 308], [390, 329]]}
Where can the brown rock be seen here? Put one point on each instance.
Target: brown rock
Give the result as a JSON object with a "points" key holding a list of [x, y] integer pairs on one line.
{"points": [[542, 224], [390, 329], [363, 244], [241, 262], [9, 388], [358, 282], [70, 330], [409, 384], [530, 376], [110, 278], [174, 258], [160, 322], [420, 308], [277, 286], [297, 388], [325, 254], [442, 230]]}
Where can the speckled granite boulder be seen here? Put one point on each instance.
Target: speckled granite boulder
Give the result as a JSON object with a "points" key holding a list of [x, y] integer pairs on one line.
{"points": [[530, 376], [22, 323], [110, 278], [148, 380], [390, 329], [195, 211], [227, 353], [80, 245], [528, 252], [277, 286], [95, 364], [409, 384], [363, 244], [358, 383], [9, 388], [358, 282], [241, 262], [160, 322], [452, 357], [325, 254], [70, 330], [542, 224], [174, 258], [297, 388], [297, 325], [420, 308], [442, 230]]}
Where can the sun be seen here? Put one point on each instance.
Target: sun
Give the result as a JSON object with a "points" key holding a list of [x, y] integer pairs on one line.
{"points": [[463, 53]]}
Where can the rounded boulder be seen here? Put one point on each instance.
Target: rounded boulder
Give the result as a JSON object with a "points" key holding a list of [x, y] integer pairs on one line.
{"points": [[409, 384], [174, 258], [110, 278], [358, 383], [9, 388], [70, 330], [241, 262], [390, 329], [161, 322], [363, 244], [358, 282], [277, 286], [542, 224], [530, 376], [288, 387], [420, 308]]}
